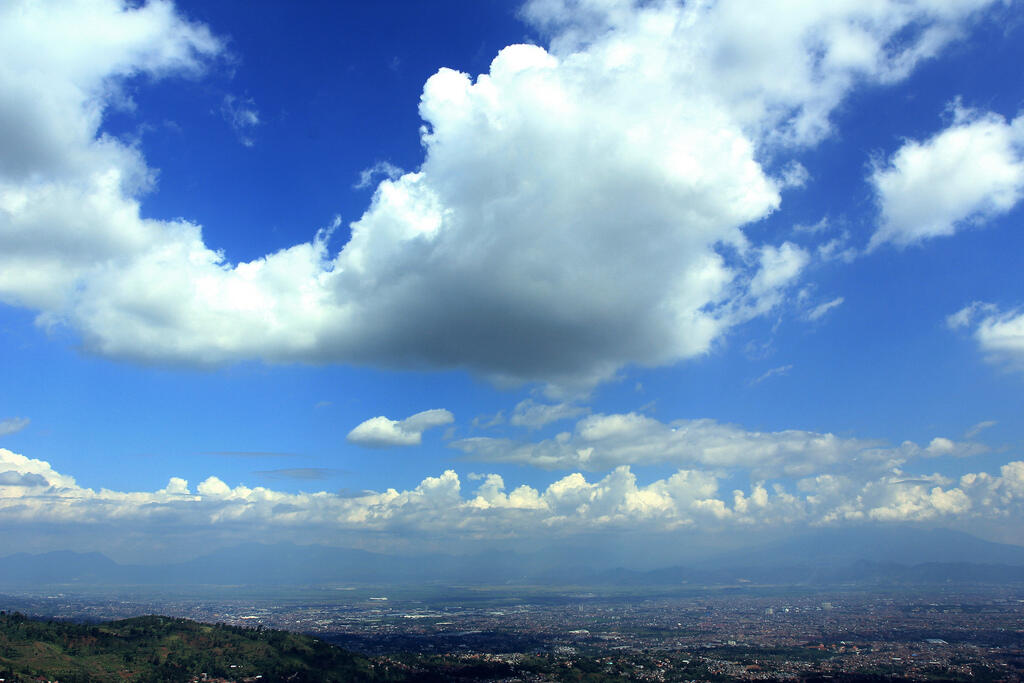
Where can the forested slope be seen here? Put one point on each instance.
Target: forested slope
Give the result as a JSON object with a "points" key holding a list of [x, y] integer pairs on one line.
{"points": [[166, 649]]}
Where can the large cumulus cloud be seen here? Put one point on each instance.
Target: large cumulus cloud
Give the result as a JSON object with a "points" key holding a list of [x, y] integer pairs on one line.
{"points": [[579, 208]]}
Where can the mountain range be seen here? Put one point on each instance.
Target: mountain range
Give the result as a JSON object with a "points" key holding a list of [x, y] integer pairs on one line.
{"points": [[869, 554]]}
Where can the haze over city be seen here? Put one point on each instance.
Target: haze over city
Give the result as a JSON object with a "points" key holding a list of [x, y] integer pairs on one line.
{"points": [[649, 281]]}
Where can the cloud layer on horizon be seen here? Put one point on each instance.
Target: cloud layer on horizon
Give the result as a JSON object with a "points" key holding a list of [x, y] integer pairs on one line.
{"points": [[32, 494]]}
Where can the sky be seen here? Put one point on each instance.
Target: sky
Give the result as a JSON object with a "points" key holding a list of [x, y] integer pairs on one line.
{"points": [[456, 275]]}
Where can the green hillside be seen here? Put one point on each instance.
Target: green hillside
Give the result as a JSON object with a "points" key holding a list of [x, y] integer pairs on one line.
{"points": [[166, 649]]}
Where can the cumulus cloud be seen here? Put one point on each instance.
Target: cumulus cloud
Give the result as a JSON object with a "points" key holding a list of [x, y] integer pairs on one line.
{"points": [[533, 415], [784, 85], [940, 445], [891, 498], [32, 472], [380, 432], [12, 478], [962, 176], [634, 138], [600, 442], [1000, 336], [13, 425]]}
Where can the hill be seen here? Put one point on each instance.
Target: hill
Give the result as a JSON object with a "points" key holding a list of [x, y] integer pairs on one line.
{"points": [[165, 649]]}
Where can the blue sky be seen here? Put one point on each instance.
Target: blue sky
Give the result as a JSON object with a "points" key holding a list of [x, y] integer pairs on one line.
{"points": [[441, 275]]}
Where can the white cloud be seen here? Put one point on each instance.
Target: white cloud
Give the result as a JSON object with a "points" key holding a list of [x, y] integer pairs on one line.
{"points": [[785, 83], [665, 107], [965, 315], [821, 309], [794, 175], [32, 493], [962, 176], [600, 442], [1000, 336], [380, 432], [533, 415], [212, 487], [821, 226], [242, 116], [382, 168], [773, 372], [39, 469], [838, 248], [13, 425], [915, 502], [979, 428], [489, 421], [67, 197], [779, 268], [940, 445]]}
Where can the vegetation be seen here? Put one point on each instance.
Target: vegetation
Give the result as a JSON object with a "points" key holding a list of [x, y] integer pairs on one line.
{"points": [[169, 649], [166, 649]]}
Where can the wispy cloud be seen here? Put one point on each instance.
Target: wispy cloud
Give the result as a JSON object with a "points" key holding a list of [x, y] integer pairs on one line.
{"points": [[488, 421], [533, 415], [820, 310], [774, 372], [601, 442], [252, 454], [12, 425], [302, 473], [242, 116], [813, 229], [999, 335], [381, 169], [979, 428]]}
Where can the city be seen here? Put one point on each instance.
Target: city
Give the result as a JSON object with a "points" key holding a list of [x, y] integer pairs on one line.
{"points": [[714, 633]]}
